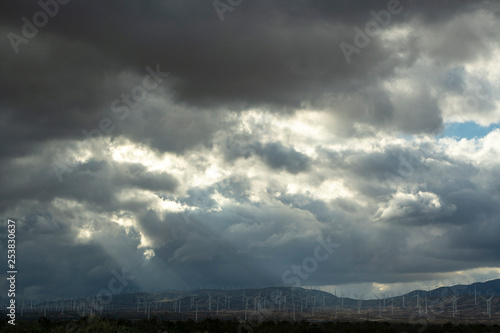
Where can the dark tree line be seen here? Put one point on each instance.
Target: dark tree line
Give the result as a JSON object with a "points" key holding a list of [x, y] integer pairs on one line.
{"points": [[104, 325]]}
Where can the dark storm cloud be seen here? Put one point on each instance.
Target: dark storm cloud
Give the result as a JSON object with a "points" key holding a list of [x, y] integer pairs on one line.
{"points": [[97, 182], [273, 154], [279, 157], [318, 208], [53, 90], [198, 251], [479, 34], [282, 54], [57, 265], [165, 126]]}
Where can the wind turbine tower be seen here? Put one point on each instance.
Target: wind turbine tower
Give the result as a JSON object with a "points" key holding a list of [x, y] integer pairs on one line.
{"points": [[360, 302], [379, 305], [454, 304], [475, 295], [488, 305]]}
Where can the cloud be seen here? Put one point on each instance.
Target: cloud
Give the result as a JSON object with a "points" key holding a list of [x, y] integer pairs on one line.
{"points": [[407, 206], [259, 138]]}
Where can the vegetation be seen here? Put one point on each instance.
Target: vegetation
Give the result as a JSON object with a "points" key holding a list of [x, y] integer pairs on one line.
{"points": [[103, 325]]}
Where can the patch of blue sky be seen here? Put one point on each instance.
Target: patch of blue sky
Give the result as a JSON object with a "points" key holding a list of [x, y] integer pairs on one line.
{"points": [[467, 130]]}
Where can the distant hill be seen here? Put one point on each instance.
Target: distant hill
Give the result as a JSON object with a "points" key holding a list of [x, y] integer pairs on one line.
{"points": [[279, 297], [466, 302], [482, 288]]}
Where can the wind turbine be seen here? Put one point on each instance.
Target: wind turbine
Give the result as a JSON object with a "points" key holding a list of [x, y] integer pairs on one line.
{"points": [[454, 304], [293, 302], [179, 300], [196, 313], [314, 303], [342, 298], [47, 305], [419, 304], [274, 296], [243, 299], [218, 302], [403, 295], [336, 306], [91, 302], [210, 302], [83, 306], [225, 299], [425, 304], [99, 306], [379, 306], [360, 302], [392, 305], [148, 301], [267, 300], [475, 295], [488, 305], [246, 306], [22, 306], [383, 298], [256, 302], [138, 302]]}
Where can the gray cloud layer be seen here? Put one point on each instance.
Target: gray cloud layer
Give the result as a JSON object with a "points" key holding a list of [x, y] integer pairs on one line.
{"points": [[237, 179]]}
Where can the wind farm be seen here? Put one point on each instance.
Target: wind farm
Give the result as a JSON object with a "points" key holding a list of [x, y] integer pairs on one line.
{"points": [[456, 304]]}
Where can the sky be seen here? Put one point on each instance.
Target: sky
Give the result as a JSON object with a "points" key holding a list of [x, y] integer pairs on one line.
{"points": [[350, 145]]}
